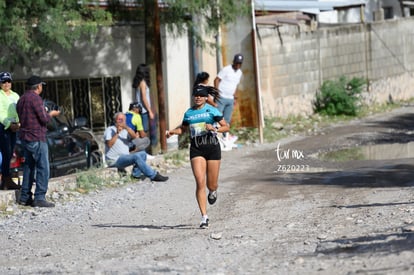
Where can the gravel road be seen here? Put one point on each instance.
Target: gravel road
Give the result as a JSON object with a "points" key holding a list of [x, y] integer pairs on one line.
{"points": [[280, 210]]}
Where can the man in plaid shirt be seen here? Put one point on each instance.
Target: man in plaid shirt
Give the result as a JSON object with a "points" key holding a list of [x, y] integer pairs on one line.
{"points": [[33, 119]]}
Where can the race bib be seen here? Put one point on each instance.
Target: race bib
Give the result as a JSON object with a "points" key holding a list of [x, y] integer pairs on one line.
{"points": [[198, 129]]}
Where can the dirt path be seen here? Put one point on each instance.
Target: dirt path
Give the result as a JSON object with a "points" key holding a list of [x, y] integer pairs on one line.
{"points": [[326, 218]]}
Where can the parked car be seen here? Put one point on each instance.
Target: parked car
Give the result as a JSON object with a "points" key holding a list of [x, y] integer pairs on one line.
{"points": [[72, 145]]}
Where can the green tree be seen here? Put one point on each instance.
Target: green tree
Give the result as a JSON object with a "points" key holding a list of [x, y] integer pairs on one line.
{"points": [[29, 27], [204, 16]]}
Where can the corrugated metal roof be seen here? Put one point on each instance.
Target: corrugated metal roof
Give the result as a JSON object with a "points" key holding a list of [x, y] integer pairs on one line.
{"points": [[309, 6]]}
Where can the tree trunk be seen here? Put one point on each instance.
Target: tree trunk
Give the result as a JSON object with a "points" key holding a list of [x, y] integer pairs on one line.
{"points": [[160, 79], [153, 55]]}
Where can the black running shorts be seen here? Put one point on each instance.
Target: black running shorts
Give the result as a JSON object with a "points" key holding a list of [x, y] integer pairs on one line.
{"points": [[206, 146]]}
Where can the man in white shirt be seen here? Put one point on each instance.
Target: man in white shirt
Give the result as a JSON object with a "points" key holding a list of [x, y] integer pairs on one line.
{"points": [[117, 138], [226, 82]]}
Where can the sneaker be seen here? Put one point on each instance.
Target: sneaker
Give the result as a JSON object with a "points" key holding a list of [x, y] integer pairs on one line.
{"points": [[212, 197], [159, 177], [204, 224], [225, 145], [43, 203], [29, 202], [150, 157], [232, 138], [142, 177]]}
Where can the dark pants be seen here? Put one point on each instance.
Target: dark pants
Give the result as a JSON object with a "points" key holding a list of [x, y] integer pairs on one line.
{"points": [[7, 143], [36, 165]]}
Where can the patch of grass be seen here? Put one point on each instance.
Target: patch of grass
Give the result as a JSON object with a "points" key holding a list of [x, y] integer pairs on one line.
{"points": [[245, 135], [3, 208], [273, 129], [87, 181], [379, 108], [178, 157], [94, 179], [343, 155]]}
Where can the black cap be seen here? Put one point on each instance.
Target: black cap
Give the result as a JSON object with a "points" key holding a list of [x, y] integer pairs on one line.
{"points": [[238, 59], [200, 90], [134, 105], [34, 80], [5, 76]]}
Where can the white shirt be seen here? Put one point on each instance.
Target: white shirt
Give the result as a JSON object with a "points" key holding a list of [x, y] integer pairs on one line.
{"points": [[139, 99], [120, 147], [229, 79]]}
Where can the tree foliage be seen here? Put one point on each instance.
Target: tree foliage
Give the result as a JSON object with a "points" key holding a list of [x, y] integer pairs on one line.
{"points": [[180, 16], [202, 16], [30, 27]]}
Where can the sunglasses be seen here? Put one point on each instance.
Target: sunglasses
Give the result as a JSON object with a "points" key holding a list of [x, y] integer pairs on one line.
{"points": [[6, 81]]}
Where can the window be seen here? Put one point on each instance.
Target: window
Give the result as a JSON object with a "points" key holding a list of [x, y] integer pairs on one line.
{"points": [[388, 13]]}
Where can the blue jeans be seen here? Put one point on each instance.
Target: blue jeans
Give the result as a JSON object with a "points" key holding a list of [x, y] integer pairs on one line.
{"points": [[7, 143], [138, 160], [145, 121], [36, 154], [226, 106]]}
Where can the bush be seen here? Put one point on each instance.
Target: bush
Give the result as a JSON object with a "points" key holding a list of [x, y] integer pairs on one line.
{"points": [[88, 180], [339, 97]]}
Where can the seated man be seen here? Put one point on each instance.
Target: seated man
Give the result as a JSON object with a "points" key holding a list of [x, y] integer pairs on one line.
{"points": [[117, 138], [134, 121]]}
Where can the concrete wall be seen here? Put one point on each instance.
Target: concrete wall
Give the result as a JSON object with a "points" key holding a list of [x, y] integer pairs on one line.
{"points": [[294, 64], [177, 78], [236, 38], [113, 52]]}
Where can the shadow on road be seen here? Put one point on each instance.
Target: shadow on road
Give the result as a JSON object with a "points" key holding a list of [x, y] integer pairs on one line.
{"points": [[371, 205], [151, 226], [401, 175], [400, 122], [382, 243]]}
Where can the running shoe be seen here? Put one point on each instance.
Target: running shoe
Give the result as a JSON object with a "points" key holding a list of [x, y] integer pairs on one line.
{"points": [[150, 157], [212, 197], [204, 224]]}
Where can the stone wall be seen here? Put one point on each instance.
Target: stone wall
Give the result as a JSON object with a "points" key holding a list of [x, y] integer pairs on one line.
{"points": [[293, 63]]}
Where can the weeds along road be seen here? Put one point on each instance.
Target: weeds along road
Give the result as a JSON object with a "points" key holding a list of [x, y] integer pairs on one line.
{"points": [[320, 217]]}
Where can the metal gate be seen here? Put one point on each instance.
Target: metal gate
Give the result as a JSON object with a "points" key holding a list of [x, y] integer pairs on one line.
{"points": [[97, 99]]}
